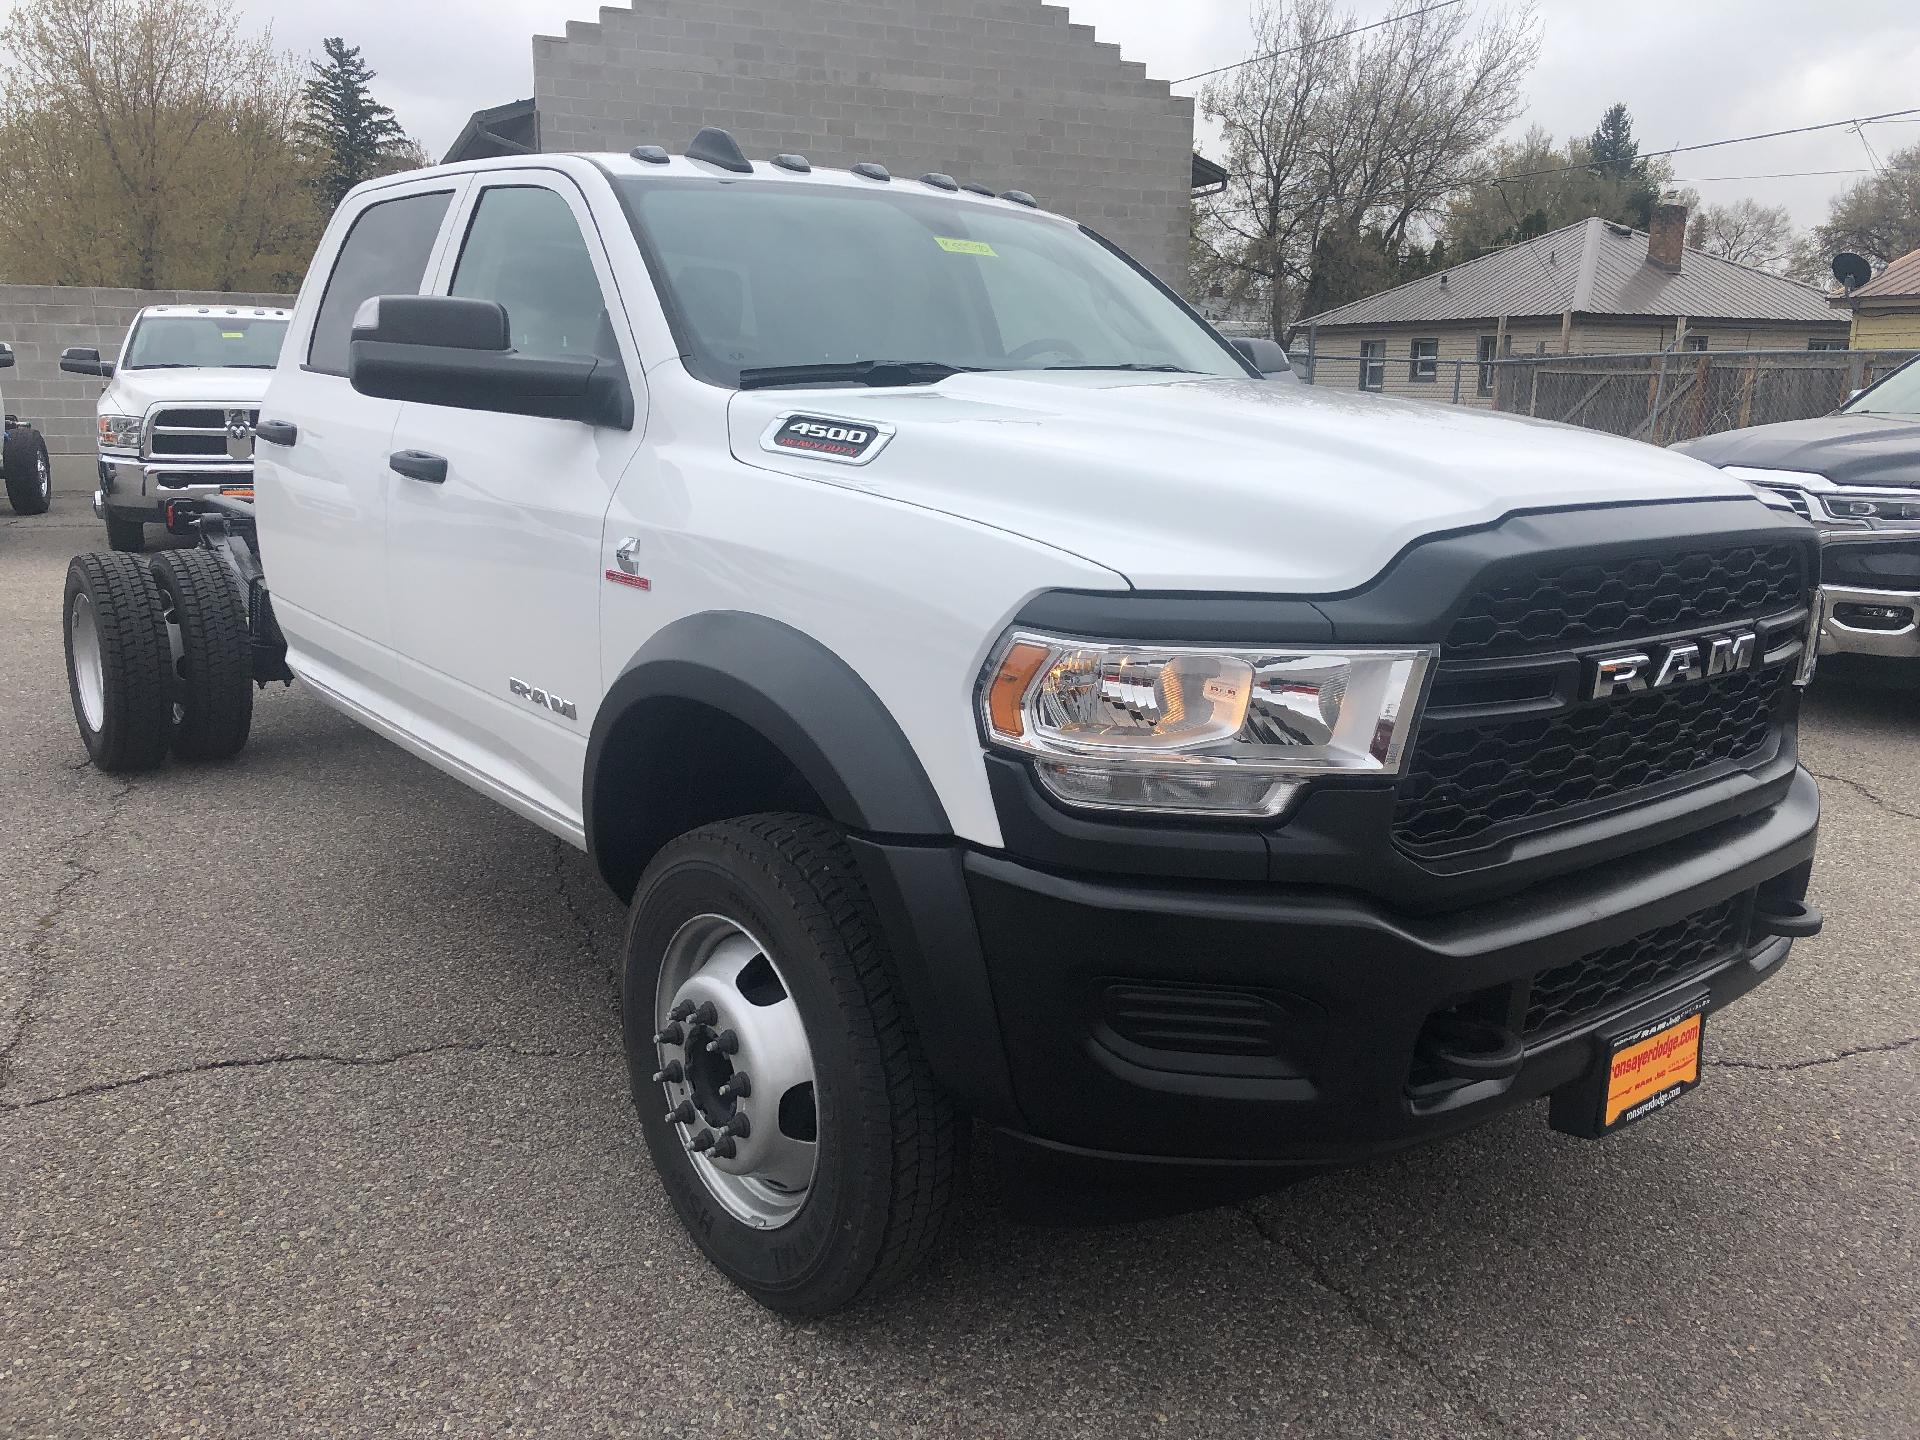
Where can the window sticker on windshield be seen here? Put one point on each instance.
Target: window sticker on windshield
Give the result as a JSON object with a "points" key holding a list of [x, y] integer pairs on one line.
{"points": [[964, 247], [233, 334]]}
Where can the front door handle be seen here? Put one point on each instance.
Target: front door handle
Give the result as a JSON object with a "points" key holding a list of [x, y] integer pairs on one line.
{"points": [[276, 432], [420, 465]]}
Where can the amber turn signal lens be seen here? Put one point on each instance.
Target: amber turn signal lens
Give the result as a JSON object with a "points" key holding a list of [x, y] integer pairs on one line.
{"points": [[1017, 669]]}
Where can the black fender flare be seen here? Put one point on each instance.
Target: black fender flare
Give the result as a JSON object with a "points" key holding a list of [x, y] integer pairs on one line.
{"points": [[814, 708], [802, 697]]}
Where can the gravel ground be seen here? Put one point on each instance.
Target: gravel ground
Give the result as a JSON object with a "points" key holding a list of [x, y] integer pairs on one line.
{"points": [[312, 1122]]}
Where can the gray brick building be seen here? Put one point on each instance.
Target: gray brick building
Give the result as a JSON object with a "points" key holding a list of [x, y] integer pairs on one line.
{"points": [[1006, 92]]}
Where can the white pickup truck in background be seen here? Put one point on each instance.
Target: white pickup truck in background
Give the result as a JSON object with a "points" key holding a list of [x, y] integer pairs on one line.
{"points": [[187, 376], [998, 700]]}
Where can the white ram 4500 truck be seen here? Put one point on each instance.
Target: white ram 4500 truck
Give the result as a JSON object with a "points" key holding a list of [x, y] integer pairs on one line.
{"points": [[187, 377], [999, 702]]}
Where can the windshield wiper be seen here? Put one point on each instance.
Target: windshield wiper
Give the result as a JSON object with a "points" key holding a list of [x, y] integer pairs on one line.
{"points": [[859, 372], [1129, 365], [162, 365]]}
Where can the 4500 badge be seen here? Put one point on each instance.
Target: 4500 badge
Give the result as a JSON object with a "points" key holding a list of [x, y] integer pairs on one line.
{"points": [[827, 437]]}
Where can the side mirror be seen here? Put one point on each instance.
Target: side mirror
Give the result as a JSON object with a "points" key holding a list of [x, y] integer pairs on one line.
{"points": [[447, 350], [6, 357], [84, 360], [1266, 356], [1853, 395]]}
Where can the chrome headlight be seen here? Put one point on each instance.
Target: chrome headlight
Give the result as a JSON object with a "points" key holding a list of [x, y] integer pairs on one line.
{"points": [[119, 432], [1198, 730]]}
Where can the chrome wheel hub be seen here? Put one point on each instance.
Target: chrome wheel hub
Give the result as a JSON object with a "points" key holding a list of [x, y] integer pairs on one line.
{"points": [[736, 1070], [45, 474], [89, 676]]}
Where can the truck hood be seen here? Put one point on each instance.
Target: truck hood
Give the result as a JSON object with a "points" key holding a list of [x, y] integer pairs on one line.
{"points": [[1214, 484], [1847, 449], [130, 392]]}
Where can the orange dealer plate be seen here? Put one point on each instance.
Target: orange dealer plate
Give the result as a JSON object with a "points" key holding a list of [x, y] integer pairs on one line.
{"points": [[1653, 1066]]}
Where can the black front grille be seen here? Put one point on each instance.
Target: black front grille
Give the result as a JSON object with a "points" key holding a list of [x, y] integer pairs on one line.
{"points": [[1472, 783], [1557, 606], [166, 444], [1607, 978]]}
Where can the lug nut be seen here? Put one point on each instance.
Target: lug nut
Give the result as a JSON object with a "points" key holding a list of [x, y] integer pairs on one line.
{"points": [[725, 1043], [681, 1011], [725, 1147], [739, 1086], [738, 1125], [703, 1141], [674, 1034], [682, 1114], [670, 1074], [704, 1013]]}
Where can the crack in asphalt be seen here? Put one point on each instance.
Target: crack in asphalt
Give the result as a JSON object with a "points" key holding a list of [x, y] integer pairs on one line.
{"points": [[76, 855], [316, 1057], [1450, 1383], [1886, 1048], [583, 927], [1870, 794]]}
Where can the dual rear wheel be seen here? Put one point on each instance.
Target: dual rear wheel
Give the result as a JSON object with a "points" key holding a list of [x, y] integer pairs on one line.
{"points": [[159, 658]]}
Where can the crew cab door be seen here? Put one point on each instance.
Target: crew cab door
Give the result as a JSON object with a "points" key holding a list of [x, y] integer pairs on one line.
{"points": [[320, 459], [494, 521]]}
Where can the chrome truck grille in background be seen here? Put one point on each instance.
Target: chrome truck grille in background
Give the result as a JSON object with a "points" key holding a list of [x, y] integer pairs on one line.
{"points": [[197, 433]]}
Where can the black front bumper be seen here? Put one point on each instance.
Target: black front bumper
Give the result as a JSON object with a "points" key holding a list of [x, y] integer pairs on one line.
{"points": [[1057, 1006]]}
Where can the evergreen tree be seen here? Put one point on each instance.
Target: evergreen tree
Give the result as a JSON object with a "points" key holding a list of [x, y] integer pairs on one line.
{"points": [[348, 136], [1616, 157]]}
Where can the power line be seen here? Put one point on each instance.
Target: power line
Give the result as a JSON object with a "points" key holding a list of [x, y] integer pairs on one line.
{"points": [[1326, 40], [1776, 175], [1711, 145]]}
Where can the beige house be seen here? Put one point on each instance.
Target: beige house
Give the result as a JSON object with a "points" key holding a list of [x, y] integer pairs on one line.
{"points": [[1592, 288], [1886, 310]]}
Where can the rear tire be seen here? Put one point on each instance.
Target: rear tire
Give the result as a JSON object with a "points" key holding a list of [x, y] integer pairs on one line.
{"points": [[126, 534], [213, 693], [878, 1191], [118, 662], [29, 472]]}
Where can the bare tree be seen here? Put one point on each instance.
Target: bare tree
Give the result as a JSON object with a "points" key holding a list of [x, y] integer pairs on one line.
{"points": [[150, 144], [1746, 232], [1878, 217], [1342, 148]]}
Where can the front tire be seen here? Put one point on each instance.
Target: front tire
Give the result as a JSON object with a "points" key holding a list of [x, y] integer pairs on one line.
{"points": [[118, 662], [127, 534], [213, 695], [836, 1173], [29, 473]]}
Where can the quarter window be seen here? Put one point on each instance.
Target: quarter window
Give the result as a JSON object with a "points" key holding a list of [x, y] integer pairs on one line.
{"points": [[1424, 365], [385, 253], [524, 251], [1373, 364]]}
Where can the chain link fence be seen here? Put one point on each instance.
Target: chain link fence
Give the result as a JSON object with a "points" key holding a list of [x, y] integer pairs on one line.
{"points": [[1661, 397]]}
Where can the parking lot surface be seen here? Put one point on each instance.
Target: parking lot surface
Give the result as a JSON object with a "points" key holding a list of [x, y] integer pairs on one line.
{"points": [[313, 1122]]}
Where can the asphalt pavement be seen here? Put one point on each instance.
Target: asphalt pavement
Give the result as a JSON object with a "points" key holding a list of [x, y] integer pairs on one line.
{"points": [[313, 1122]]}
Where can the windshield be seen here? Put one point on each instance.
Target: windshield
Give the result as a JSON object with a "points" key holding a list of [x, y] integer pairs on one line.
{"points": [[764, 276], [171, 342], [1898, 394]]}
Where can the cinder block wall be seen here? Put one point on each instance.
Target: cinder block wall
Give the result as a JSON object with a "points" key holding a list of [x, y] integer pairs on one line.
{"points": [[1005, 92], [40, 321]]}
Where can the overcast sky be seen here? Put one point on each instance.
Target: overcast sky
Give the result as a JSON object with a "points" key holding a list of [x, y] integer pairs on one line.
{"points": [[1690, 70]]}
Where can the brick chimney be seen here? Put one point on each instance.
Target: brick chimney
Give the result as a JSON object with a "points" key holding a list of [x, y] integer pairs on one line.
{"points": [[1667, 237]]}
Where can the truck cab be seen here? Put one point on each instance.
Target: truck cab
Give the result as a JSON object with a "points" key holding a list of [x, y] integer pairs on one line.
{"points": [[187, 376], [998, 701]]}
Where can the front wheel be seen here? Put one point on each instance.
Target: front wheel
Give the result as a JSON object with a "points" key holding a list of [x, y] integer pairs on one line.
{"points": [[779, 1078], [28, 471]]}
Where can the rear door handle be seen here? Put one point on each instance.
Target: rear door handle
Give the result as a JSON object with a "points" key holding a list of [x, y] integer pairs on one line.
{"points": [[420, 465], [276, 432]]}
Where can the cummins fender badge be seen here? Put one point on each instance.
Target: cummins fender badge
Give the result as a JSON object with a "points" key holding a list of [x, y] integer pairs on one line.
{"points": [[827, 437], [1658, 667]]}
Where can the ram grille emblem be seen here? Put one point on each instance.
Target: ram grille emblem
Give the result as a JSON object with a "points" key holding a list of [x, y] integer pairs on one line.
{"points": [[1678, 662], [546, 699]]}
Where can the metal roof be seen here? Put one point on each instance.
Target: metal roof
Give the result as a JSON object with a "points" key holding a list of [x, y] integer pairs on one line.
{"points": [[1899, 281], [1592, 267]]}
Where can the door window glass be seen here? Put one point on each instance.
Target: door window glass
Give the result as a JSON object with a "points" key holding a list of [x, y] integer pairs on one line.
{"points": [[385, 253], [524, 251]]}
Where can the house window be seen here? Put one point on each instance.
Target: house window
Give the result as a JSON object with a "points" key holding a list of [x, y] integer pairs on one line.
{"points": [[1373, 364], [1424, 366], [1826, 344], [1695, 343], [1486, 350]]}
